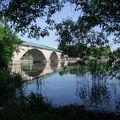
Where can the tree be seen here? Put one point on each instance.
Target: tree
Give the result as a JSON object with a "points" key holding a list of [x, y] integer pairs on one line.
{"points": [[70, 33], [117, 53], [8, 44], [102, 13], [99, 52], [75, 51], [22, 14]]}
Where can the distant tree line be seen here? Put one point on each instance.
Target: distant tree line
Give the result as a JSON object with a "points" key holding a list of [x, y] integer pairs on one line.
{"points": [[27, 56], [84, 52]]}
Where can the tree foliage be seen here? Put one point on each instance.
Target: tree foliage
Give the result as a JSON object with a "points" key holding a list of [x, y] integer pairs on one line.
{"points": [[102, 13], [117, 53], [8, 44], [23, 14], [74, 51], [69, 33], [99, 52], [84, 52]]}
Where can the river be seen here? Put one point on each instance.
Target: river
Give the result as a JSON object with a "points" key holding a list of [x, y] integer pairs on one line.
{"points": [[94, 85]]}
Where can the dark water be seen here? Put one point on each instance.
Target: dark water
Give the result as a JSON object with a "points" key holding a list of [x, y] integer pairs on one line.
{"points": [[95, 85]]}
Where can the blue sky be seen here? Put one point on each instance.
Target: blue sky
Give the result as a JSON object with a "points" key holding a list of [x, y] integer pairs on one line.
{"points": [[67, 12]]}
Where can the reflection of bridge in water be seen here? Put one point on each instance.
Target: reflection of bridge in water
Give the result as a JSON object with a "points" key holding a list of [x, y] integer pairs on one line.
{"points": [[30, 71]]}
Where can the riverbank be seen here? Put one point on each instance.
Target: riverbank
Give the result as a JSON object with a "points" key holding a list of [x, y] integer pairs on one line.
{"points": [[71, 112], [35, 107]]}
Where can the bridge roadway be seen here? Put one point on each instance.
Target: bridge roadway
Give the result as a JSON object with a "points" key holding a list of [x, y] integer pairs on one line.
{"points": [[39, 52]]}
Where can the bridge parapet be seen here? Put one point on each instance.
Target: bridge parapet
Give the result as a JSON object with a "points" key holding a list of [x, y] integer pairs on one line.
{"points": [[42, 46]]}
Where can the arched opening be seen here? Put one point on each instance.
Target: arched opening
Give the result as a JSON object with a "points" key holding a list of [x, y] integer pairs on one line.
{"points": [[53, 57], [35, 54]]}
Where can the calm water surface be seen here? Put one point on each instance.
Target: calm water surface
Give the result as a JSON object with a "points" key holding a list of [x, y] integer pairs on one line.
{"points": [[95, 85]]}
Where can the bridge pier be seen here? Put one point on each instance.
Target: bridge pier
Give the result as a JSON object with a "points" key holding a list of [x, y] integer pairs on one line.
{"points": [[47, 55]]}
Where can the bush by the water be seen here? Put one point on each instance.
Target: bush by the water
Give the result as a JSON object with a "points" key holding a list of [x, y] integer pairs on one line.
{"points": [[9, 83]]}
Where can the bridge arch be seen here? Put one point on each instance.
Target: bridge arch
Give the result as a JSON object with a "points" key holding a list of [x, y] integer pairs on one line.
{"points": [[37, 55], [53, 56]]}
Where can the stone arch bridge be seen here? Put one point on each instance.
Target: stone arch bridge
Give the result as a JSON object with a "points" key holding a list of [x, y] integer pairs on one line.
{"points": [[39, 52]]}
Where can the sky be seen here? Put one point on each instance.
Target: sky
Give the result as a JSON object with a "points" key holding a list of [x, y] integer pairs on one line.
{"points": [[51, 40]]}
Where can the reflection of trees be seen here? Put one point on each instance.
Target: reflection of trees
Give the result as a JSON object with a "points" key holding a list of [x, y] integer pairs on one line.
{"points": [[99, 91], [96, 92], [26, 67], [115, 70], [79, 70], [74, 68], [40, 83], [33, 70], [64, 71], [95, 81], [96, 68]]}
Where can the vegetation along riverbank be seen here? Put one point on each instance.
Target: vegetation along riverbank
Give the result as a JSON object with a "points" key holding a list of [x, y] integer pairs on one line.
{"points": [[89, 33]]}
